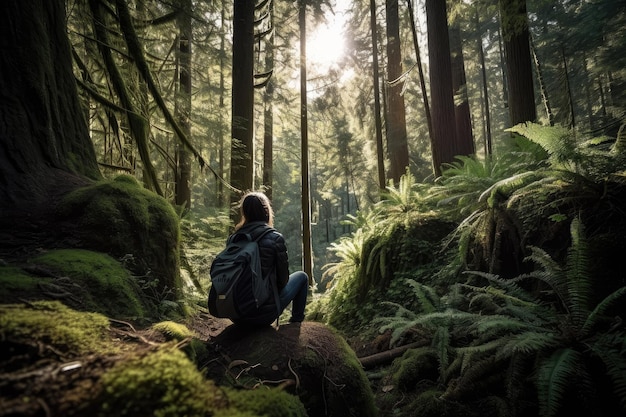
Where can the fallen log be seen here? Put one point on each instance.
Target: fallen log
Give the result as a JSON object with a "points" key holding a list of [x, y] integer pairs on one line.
{"points": [[383, 358]]}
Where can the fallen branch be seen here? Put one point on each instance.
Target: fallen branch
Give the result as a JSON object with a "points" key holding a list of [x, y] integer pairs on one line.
{"points": [[382, 358]]}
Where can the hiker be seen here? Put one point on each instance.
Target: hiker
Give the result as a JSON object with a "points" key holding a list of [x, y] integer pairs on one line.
{"points": [[256, 216]]}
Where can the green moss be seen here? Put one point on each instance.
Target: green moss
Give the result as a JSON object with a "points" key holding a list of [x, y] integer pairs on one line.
{"points": [[172, 330], [416, 366], [124, 219], [106, 286], [263, 402], [164, 383], [13, 279], [55, 324]]}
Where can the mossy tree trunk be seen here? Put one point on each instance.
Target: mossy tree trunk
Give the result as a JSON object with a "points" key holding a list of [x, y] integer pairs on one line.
{"points": [[43, 139]]}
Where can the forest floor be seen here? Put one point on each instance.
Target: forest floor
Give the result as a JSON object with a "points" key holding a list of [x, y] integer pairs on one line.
{"points": [[37, 379]]}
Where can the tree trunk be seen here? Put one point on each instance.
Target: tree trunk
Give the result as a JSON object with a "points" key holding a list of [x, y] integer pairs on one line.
{"points": [[418, 60], [380, 152], [242, 146], [268, 116], [487, 111], [542, 85], [307, 249], [397, 146], [183, 107], [464, 137], [442, 98], [514, 21], [44, 141]]}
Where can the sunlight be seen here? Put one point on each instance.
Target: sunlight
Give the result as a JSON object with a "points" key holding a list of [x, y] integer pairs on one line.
{"points": [[326, 43]]}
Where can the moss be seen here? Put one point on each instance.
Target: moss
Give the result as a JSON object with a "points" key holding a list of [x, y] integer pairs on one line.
{"points": [[416, 366], [124, 219], [172, 330], [164, 383], [263, 402], [14, 280], [106, 287], [53, 323]]}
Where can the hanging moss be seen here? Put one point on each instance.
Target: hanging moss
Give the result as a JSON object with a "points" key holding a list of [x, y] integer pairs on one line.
{"points": [[123, 219], [100, 282]]}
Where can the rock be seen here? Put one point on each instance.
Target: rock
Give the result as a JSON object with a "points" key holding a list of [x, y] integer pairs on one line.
{"points": [[307, 359]]}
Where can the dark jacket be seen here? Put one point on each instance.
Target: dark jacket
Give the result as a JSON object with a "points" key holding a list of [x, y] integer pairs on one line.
{"points": [[274, 263]]}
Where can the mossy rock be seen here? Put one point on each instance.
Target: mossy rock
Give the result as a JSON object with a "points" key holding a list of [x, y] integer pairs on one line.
{"points": [[308, 359], [165, 383], [92, 281], [416, 366], [16, 283], [125, 220], [53, 324]]}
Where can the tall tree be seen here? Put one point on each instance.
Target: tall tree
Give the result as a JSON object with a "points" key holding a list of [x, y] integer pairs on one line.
{"points": [[442, 96], [44, 142], [382, 183], [397, 145], [464, 137], [183, 105], [514, 21], [242, 145], [418, 62], [307, 250], [268, 111]]}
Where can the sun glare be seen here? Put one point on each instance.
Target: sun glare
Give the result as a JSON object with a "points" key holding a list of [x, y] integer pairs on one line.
{"points": [[326, 44]]}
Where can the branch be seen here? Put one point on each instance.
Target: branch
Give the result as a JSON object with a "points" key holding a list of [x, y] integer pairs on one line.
{"points": [[382, 358]]}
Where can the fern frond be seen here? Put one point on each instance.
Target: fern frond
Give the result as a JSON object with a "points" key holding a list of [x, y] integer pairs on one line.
{"points": [[491, 326], [501, 190], [610, 349], [578, 275], [426, 296], [528, 343], [557, 141], [555, 374], [601, 308]]}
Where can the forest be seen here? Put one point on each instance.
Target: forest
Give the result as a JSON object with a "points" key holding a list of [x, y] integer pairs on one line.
{"points": [[450, 174]]}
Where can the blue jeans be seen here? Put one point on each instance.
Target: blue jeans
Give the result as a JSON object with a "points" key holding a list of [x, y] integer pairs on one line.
{"points": [[296, 290]]}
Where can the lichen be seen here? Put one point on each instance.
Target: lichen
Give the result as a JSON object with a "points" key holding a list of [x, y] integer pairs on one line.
{"points": [[102, 283], [52, 323]]}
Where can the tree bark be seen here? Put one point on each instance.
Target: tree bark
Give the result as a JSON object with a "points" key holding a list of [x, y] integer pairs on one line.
{"points": [[518, 62], [442, 99], [307, 248], [380, 152], [183, 106], [464, 137], [397, 146], [242, 146], [40, 114]]}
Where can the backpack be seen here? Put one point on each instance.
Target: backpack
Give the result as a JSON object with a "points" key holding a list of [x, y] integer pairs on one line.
{"points": [[238, 286]]}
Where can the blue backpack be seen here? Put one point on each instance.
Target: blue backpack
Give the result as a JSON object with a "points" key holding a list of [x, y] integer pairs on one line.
{"points": [[238, 286]]}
